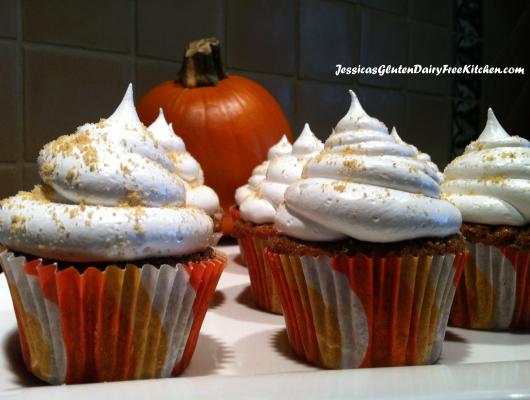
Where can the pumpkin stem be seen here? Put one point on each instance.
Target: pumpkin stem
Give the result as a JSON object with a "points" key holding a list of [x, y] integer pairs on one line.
{"points": [[202, 64]]}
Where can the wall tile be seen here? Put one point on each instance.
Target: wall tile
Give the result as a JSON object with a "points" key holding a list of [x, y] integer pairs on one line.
{"points": [[30, 176], [97, 24], [436, 11], [466, 124], [384, 40], [328, 36], [150, 73], [261, 35], [430, 45], [428, 124], [8, 18], [394, 6], [386, 105], [65, 90], [499, 19], [500, 91], [517, 121], [8, 102], [165, 27], [520, 34], [321, 105], [10, 181], [506, 28], [283, 90]]}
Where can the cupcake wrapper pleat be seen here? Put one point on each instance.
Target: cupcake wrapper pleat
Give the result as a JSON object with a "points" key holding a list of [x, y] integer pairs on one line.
{"points": [[261, 281], [113, 324], [494, 293], [236, 216], [349, 312]]}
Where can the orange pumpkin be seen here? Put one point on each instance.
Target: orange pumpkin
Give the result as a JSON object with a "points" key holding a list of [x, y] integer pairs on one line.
{"points": [[227, 122]]}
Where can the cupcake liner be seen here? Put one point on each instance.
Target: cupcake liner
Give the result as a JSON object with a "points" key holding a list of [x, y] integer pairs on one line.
{"points": [[113, 324], [261, 281], [494, 293], [236, 216], [349, 312]]}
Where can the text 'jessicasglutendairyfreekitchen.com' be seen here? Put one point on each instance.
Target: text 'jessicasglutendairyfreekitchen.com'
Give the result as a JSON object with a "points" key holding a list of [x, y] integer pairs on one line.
{"points": [[418, 69]]}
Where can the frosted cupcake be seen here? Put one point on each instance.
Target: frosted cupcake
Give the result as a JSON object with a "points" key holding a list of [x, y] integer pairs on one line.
{"points": [[490, 184], [368, 256], [187, 168], [257, 207], [283, 147], [109, 271]]}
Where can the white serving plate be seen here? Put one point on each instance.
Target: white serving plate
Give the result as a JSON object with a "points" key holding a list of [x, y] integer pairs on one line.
{"points": [[243, 353]]}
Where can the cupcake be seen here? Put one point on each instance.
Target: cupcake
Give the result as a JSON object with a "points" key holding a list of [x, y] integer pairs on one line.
{"points": [[110, 272], [367, 257], [257, 210], [490, 185], [283, 147], [188, 169]]}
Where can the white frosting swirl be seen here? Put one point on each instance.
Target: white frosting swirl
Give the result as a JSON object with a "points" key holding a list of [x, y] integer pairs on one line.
{"points": [[490, 182], [187, 167], [283, 147], [367, 185], [110, 193], [261, 206]]}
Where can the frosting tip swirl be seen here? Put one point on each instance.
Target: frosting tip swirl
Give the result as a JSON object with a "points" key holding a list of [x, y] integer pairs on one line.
{"points": [[126, 112], [110, 193], [281, 148], [493, 129]]}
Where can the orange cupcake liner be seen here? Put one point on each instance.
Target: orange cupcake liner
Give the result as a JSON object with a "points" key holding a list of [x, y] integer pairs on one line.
{"points": [[262, 283], [135, 322], [236, 216], [494, 293], [350, 312], [234, 212]]}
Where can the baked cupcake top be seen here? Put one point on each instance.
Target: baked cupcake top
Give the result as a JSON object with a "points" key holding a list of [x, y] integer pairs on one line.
{"points": [[186, 167], [110, 192], [368, 185], [260, 207], [283, 147], [490, 182]]}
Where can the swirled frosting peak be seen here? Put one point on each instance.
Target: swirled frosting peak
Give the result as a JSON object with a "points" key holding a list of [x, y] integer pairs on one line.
{"points": [[115, 161], [186, 167], [283, 147], [357, 118], [110, 192], [307, 144], [369, 185], [163, 132], [435, 172], [490, 182], [260, 207]]}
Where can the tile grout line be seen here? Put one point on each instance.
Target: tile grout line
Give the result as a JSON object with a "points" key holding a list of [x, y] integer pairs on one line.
{"points": [[358, 41], [295, 78], [21, 142], [132, 43], [225, 33], [75, 50], [405, 88]]}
